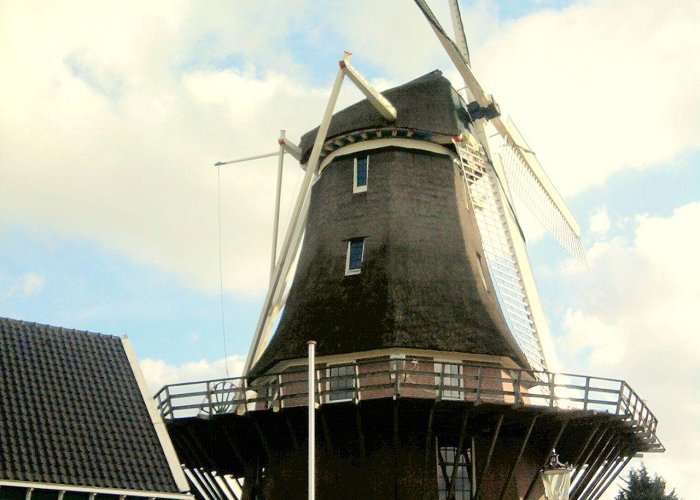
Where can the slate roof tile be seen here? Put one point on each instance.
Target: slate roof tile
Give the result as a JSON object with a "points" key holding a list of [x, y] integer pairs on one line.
{"points": [[72, 412]]}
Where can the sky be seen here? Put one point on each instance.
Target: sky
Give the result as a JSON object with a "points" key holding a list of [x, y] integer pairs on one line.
{"points": [[112, 115]]}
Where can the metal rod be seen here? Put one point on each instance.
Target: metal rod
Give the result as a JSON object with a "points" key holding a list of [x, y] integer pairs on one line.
{"points": [[278, 194], [312, 419], [240, 160]]}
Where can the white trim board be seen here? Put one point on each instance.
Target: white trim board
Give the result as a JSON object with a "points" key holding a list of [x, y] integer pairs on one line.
{"points": [[91, 489], [157, 421], [398, 142]]}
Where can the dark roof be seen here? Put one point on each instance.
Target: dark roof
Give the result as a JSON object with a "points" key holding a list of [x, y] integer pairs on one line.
{"points": [[427, 103], [72, 412]]}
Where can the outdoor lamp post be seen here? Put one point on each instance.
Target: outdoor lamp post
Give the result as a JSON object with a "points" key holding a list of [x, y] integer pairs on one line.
{"points": [[556, 477]]}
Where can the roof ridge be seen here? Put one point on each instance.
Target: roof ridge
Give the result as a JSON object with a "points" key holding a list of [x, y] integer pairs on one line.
{"points": [[60, 328]]}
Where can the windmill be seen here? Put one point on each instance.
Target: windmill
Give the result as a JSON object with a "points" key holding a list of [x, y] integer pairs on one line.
{"points": [[492, 173], [431, 379]]}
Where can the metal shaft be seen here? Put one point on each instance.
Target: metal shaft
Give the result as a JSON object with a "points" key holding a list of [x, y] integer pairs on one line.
{"points": [[312, 420], [278, 194]]}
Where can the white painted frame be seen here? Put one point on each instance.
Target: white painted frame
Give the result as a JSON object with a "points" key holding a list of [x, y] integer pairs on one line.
{"points": [[348, 271], [355, 187], [328, 383], [441, 376]]}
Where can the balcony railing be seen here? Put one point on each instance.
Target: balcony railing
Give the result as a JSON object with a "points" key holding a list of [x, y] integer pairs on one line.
{"points": [[408, 378]]}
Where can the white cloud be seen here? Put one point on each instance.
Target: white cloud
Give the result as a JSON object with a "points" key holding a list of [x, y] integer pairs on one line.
{"points": [[599, 222], [111, 119], [637, 319], [158, 372], [600, 86], [27, 285]]}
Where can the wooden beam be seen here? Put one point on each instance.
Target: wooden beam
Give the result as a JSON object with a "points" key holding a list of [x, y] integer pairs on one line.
{"points": [[235, 449], [263, 441], [429, 448], [295, 443], [517, 459], [488, 457], [609, 468], [458, 454], [584, 479], [326, 434], [590, 479], [546, 459], [620, 468], [360, 433], [579, 463]]}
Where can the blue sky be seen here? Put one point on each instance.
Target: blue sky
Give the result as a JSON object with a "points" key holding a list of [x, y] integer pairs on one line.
{"points": [[112, 115]]}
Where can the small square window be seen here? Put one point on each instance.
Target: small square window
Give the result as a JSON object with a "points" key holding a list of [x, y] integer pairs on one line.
{"points": [[341, 383], [359, 184], [353, 261]]}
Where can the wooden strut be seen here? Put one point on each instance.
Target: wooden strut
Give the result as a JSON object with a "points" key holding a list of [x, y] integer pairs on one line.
{"points": [[585, 478], [205, 482], [546, 460], [233, 445], [579, 462], [326, 434], [517, 459], [360, 434], [458, 454], [429, 446], [263, 441], [576, 461], [194, 478], [592, 478], [488, 457], [295, 442], [620, 468], [607, 470], [228, 486], [201, 451]]}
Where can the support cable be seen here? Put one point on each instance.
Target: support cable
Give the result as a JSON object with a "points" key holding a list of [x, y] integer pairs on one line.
{"points": [[221, 267]]}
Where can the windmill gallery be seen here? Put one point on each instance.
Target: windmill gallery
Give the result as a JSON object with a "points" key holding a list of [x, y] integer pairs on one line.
{"points": [[405, 267]]}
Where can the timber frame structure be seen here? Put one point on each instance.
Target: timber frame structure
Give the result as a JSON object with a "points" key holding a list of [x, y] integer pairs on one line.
{"points": [[384, 420]]}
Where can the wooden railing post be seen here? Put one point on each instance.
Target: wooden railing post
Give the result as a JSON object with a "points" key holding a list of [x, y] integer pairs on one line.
{"points": [[585, 393], [620, 397], [550, 377], [516, 389], [478, 385]]}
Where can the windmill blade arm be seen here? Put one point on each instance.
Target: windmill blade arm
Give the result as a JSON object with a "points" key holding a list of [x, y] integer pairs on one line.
{"points": [[456, 56], [460, 36]]}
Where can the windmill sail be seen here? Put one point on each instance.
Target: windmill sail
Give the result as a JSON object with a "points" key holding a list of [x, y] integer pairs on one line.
{"points": [[499, 248], [521, 165]]}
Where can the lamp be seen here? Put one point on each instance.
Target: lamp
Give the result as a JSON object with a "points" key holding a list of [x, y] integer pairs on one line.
{"points": [[556, 477]]}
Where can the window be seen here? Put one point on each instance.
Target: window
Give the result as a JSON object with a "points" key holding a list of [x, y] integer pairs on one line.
{"points": [[353, 261], [341, 383], [447, 461], [359, 184], [449, 380]]}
